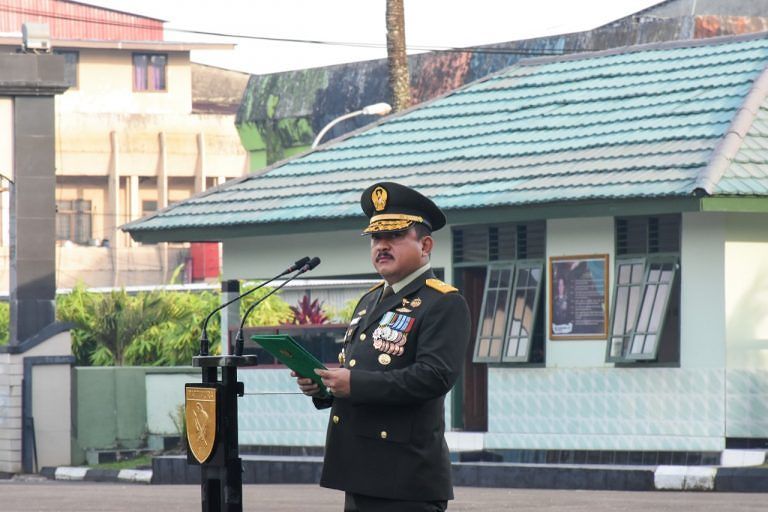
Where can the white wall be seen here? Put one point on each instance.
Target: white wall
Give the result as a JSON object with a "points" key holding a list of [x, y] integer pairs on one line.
{"points": [[573, 237], [52, 410], [105, 84], [746, 291], [51, 404], [702, 292], [341, 253]]}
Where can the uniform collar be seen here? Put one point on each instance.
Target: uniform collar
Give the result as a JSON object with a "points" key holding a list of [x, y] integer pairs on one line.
{"points": [[398, 286]]}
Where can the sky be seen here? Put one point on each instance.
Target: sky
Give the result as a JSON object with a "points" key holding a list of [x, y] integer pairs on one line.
{"points": [[360, 25]]}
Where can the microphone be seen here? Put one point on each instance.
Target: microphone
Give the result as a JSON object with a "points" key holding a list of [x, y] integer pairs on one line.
{"points": [[239, 342], [299, 264]]}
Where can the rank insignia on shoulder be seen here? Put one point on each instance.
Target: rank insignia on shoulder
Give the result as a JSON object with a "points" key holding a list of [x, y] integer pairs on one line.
{"points": [[441, 286], [376, 286]]}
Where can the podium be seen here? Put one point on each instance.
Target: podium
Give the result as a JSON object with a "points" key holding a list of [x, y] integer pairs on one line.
{"points": [[211, 419]]}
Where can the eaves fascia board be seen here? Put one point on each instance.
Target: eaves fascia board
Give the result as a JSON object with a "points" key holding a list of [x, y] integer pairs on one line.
{"points": [[498, 214], [735, 204]]}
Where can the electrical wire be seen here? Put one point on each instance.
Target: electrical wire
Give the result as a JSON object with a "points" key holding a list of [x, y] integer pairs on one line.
{"points": [[431, 48]]}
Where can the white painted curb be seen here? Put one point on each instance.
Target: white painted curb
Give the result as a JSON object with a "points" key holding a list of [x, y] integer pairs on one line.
{"points": [[69, 473], [739, 458], [684, 478], [143, 476]]}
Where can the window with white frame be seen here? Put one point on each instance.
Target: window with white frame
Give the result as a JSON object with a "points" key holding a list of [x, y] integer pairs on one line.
{"points": [[510, 326], [646, 293]]}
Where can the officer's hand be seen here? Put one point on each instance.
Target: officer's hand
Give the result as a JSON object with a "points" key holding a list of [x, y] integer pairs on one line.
{"points": [[307, 386], [336, 380]]}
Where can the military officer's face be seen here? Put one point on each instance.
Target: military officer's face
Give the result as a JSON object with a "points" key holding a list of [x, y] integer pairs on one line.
{"points": [[395, 255]]}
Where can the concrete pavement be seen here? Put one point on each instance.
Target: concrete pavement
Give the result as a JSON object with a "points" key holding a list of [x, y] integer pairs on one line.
{"points": [[52, 496]]}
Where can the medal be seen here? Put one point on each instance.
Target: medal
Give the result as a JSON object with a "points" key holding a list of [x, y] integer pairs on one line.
{"points": [[384, 359], [391, 334]]}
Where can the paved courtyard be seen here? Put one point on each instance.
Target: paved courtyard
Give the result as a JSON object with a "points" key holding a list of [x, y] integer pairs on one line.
{"points": [[51, 496]]}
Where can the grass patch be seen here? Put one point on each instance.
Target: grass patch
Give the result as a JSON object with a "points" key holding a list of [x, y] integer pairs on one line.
{"points": [[142, 462]]}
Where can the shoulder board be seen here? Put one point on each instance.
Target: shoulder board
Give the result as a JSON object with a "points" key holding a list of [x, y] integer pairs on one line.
{"points": [[375, 286], [441, 286]]}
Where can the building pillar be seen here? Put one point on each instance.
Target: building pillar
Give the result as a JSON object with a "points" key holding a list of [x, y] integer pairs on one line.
{"points": [[162, 200], [112, 218], [6, 165], [32, 218], [200, 170], [30, 82], [134, 204]]}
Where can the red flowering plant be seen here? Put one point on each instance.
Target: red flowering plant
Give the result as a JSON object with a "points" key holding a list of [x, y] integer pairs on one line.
{"points": [[306, 312]]}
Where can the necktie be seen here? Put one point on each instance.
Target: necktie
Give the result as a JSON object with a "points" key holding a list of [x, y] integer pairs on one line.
{"points": [[386, 293]]}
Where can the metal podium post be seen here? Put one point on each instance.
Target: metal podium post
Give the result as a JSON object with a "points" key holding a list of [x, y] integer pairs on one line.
{"points": [[211, 417]]}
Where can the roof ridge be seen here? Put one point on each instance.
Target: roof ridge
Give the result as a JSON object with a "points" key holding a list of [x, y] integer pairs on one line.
{"points": [[726, 150], [635, 48]]}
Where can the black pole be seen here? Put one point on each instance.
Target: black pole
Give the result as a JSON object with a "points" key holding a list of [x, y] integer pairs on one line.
{"points": [[221, 483]]}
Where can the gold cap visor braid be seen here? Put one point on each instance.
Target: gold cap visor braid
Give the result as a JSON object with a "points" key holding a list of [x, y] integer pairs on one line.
{"points": [[391, 222]]}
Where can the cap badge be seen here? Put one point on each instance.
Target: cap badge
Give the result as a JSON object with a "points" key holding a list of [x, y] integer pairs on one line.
{"points": [[379, 198]]}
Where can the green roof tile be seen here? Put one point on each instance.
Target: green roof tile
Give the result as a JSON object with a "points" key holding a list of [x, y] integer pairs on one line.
{"points": [[641, 122]]}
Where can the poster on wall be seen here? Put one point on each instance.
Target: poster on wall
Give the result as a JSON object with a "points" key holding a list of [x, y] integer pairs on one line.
{"points": [[578, 306]]}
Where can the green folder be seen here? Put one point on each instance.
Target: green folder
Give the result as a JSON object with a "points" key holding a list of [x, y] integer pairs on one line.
{"points": [[291, 354]]}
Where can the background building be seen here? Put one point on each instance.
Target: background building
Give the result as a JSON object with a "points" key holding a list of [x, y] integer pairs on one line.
{"points": [[140, 128], [281, 113], [638, 175]]}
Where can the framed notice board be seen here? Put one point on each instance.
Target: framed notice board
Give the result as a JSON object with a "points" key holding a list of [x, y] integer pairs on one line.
{"points": [[578, 305]]}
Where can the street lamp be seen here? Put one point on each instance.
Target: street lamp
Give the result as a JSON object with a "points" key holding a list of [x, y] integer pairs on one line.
{"points": [[377, 109]]}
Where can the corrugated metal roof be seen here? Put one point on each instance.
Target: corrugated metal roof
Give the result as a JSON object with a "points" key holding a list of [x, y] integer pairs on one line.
{"points": [[643, 122]]}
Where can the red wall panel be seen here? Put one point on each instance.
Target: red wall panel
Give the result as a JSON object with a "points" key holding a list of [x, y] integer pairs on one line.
{"points": [[71, 20]]}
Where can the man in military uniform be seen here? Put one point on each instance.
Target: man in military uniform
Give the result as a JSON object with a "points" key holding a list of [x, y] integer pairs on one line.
{"points": [[403, 351]]}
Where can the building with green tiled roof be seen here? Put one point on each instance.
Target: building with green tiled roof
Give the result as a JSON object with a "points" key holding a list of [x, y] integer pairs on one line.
{"points": [[607, 224]]}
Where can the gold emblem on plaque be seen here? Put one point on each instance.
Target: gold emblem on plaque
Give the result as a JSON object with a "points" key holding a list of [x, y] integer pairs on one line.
{"points": [[201, 421], [379, 198]]}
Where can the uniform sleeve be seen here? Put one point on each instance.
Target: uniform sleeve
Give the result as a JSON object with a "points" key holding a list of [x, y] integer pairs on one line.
{"points": [[442, 343], [322, 403]]}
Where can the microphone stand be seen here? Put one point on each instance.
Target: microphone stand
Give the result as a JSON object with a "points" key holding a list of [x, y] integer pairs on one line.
{"points": [[211, 417], [239, 342], [299, 264]]}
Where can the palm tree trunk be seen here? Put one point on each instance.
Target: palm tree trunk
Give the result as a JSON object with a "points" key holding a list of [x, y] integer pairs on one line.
{"points": [[399, 84]]}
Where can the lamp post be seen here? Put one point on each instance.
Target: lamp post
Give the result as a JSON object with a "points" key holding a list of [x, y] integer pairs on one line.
{"points": [[377, 109]]}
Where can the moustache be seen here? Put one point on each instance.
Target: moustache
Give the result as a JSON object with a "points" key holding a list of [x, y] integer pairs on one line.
{"points": [[384, 255]]}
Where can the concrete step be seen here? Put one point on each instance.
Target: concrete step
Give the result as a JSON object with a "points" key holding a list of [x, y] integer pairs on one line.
{"points": [[262, 469]]}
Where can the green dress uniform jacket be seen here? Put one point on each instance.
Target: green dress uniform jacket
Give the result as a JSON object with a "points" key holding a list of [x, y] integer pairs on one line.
{"points": [[404, 354]]}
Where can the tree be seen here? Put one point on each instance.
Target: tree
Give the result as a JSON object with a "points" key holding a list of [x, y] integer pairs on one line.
{"points": [[399, 83]]}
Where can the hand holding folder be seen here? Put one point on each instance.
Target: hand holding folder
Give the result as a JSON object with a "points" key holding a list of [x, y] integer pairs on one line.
{"points": [[286, 350]]}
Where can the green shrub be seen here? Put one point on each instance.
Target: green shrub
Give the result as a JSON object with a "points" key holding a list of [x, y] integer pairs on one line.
{"points": [[159, 328], [5, 323]]}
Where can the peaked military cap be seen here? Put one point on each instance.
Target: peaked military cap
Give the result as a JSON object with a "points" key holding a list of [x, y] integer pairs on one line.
{"points": [[393, 207]]}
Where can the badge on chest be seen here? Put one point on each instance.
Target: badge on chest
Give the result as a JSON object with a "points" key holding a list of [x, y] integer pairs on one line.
{"points": [[391, 335]]}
